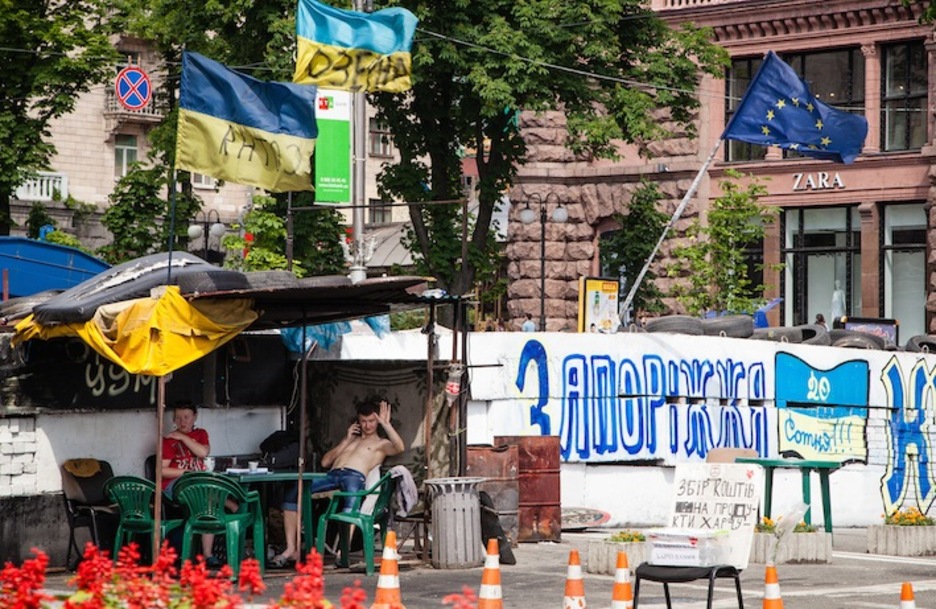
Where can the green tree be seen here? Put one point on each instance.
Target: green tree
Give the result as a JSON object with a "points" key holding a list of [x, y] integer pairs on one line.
{"points": [[626, 250], [714, 264], [138, 216], [38, 217], [484, 61], [258, 243], [52, 51]]}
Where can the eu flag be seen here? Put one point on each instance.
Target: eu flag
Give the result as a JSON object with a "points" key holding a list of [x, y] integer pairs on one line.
{"points": [[778, 110]]}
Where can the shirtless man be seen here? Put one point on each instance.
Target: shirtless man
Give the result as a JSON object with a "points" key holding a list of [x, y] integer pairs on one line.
{"points": [[360, 451]]}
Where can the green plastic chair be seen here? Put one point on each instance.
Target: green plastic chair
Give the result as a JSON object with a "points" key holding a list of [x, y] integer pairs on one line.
{"points": [[134, 499], [380, 516], [203, 495]]}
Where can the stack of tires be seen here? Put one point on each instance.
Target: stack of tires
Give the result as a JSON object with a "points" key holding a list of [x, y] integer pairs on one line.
{"points": [[742, 326]]}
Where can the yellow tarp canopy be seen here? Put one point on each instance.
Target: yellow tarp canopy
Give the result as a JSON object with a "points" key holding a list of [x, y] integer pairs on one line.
{"points": [[153, 335]]}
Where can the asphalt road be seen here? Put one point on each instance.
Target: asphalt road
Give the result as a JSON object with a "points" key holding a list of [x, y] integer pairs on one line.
{"points": [[854, 580]]}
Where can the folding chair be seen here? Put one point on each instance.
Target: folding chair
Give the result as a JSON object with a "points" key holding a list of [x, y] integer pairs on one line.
{"points": [[86, 505]]}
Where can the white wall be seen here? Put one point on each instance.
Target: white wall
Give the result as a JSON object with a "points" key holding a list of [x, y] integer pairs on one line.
{"points": [[126, 438]]}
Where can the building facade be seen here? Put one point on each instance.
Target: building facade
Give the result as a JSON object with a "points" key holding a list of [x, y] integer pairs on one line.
{"points": [[97, 143], [851, 239]]}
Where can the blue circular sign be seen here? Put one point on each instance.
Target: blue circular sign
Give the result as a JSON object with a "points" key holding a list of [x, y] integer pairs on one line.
{"points": [[133, 88]]}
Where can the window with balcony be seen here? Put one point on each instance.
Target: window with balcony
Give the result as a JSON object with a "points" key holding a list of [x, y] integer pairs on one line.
{"points": [[125, 153], [822, 263], [736, 82], [903, 96], [903, 261], [380, 142], [378, 212]]}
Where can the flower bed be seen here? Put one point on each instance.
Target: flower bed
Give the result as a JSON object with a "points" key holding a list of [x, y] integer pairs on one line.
{"points": [[602, 554], [815, 547], [906, 532]]}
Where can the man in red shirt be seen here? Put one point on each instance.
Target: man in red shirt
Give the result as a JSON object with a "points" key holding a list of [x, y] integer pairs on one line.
{"points": [[185, 449]]}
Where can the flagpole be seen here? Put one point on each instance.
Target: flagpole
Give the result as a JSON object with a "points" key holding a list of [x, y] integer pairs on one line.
{"points": [[679, 210], [359, 121]]}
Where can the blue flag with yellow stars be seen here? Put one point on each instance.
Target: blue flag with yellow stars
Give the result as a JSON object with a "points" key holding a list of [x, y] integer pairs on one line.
{"points": [[778, 110]]}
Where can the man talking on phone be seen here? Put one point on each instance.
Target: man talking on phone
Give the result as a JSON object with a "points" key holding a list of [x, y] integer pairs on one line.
{"points": [[360, 451]]}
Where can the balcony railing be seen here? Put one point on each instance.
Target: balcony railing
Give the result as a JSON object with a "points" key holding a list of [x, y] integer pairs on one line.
{"points": [[149, 113], [45, 187]]}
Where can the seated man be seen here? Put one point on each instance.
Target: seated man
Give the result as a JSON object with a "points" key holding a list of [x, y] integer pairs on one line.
{"points": [[185, 449], [361, 450]]}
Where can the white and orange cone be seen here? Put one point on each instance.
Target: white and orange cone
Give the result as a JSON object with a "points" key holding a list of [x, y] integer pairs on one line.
{"points": [[388, 583], [622, 595], [490, 596], [772, 598], [575, 585], [906, 597]]}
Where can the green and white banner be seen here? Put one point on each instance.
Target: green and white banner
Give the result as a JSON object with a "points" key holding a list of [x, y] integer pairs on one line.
{"points": [[333, 147]]}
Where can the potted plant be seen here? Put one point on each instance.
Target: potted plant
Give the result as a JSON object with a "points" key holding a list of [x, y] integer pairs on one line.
{"points": [[602, 554], [907, 532]]}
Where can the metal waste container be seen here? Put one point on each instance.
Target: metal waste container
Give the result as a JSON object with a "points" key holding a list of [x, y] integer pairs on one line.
{"points": [[456, 523]]}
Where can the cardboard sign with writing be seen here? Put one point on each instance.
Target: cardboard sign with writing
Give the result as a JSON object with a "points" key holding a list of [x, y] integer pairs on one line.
{"points": [[719, 496]]}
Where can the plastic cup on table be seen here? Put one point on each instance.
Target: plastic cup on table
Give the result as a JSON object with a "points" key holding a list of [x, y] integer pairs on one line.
{"points": [[209, 464], [253, 466]]}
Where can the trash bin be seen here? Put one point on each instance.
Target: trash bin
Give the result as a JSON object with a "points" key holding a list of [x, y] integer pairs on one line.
{"points": [[456, 523]]}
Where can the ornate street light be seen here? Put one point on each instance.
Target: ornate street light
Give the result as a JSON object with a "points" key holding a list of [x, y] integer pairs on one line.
{"points": [[528, 216], [202, 226]]}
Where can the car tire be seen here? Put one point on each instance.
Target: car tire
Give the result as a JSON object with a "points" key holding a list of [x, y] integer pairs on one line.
{"points": [[856, 340], [782, 334], [921, 343], [258, 280], [675, 324], [734, 326], [208, 282], [815, 334]]}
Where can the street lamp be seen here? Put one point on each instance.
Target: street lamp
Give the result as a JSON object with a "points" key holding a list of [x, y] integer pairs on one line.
{"points": [[528, 216], [202, 226]]}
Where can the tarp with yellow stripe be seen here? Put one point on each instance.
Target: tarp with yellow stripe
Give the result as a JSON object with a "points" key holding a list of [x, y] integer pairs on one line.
{"points": [[154, 335]]}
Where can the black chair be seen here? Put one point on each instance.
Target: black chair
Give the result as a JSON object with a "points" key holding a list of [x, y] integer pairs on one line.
{"points": [[673, 575], [86, 505]]}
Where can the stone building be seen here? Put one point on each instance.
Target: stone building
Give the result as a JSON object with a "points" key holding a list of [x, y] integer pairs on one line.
{"points": [[853, 238]]}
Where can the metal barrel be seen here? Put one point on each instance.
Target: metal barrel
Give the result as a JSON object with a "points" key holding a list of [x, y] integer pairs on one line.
{"points": [[500, 468], [540, 508]]}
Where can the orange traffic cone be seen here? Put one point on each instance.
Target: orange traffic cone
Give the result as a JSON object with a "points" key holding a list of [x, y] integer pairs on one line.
{"points": [[575, 585], [772, 598], [906, 597], [489, 597], [388, 584], [622, 596]]}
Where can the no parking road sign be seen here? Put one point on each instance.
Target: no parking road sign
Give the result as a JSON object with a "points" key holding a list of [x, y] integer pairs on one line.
{"points": [[133, 88]]}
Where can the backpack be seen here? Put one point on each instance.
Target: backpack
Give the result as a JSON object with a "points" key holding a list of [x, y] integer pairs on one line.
{"points": [[281, 450]]}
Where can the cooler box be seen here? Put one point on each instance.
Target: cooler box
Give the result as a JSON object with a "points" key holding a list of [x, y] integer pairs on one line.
{"points": [[688, 547]]}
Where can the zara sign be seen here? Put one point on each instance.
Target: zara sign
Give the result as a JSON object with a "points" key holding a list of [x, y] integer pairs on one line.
{"points": [[821, 180]]}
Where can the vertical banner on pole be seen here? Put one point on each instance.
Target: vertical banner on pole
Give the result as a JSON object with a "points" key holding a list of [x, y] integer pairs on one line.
{"points": [[333, 147]]}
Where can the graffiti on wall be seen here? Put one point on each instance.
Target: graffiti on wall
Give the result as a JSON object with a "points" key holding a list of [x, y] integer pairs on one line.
{"points": [[646, 408], [911, 396], [822, 414], [649, 401]]}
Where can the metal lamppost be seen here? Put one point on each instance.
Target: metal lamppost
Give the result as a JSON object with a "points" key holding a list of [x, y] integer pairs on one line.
{"points": [[202, 226], [528, 216]]}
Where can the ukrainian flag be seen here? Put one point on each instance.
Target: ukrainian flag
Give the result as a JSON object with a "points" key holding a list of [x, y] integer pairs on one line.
{"points": [[354, 51], [236, 128]]}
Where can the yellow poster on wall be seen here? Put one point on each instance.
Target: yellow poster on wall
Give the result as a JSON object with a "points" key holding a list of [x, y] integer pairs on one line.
{"points": [[598, 305]]}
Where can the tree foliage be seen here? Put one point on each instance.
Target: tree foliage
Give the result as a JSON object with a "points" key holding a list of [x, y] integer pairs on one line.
{"points": [[52, 51], [627, 249], [476, 64], [715, 263], [138, 212], [929, 9]]}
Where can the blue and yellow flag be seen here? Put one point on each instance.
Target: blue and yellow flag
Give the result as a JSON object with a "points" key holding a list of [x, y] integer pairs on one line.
{"points": [[778, 110], [236, 128], [354, 51]]}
